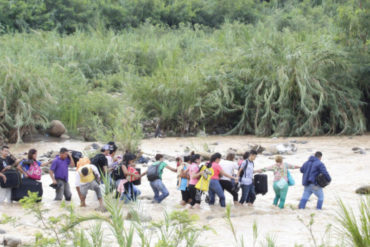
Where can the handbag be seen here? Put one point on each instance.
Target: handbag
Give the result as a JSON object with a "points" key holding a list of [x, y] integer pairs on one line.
{"points": [[322, 181], [34, 172], [291, 180]]}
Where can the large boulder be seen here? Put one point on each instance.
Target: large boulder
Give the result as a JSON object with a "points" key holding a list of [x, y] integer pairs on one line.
{"points": [[56, 128], [12, 241], [364, 190]]}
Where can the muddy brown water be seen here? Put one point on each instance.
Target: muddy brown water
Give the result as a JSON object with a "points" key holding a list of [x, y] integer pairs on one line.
{"points": [[348, 170]]}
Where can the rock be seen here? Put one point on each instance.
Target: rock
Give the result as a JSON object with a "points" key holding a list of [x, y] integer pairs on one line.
{"points": [[359, 150], [266, 153], [50, 154], [64, 136], [205, 155], [272, 149], [56, 128], [299, 142], [258, 148], [364, 190], [95, 146], [12, 241], [232, 150], [214, 144], [2, 231], [92, 147], [282, 148]]}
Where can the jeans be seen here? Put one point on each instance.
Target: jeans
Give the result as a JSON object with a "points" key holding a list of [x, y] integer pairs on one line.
{"points": [[63, 189], [280, 194], [215, 188], [131, 194], [308, 190], [246, 189], [160, 191]]}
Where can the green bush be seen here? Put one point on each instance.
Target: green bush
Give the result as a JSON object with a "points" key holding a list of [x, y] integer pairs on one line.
{"points": [[301, 69]]}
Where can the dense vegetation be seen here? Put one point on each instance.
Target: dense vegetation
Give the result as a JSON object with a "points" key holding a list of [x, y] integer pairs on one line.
{"points": [[267, 68]]}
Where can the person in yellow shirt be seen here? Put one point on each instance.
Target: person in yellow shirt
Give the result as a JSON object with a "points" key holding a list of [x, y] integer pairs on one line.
{"points": [[88, 178]]}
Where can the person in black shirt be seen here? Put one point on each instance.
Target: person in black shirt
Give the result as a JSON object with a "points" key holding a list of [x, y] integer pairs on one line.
{"points": [[100, 161], [7, 162]]}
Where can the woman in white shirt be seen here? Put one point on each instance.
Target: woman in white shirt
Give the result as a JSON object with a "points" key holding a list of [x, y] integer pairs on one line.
{"points": [[229, 166]]}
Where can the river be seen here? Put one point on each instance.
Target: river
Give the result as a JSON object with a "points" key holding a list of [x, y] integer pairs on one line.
{"points": [[348, 170]]}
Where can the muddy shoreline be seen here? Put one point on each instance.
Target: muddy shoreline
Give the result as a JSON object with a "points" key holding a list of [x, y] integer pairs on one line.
{"points": [[349, 171]]}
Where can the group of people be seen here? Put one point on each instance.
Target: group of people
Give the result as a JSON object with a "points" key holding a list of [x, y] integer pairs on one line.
{"points": [[231, 176], [194, 177]]}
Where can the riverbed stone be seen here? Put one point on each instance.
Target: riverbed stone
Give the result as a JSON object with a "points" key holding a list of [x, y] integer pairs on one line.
{"points": [[364, 190], [358, 150], [56, 128], [282, 148], [2, 231], [12, 241]]}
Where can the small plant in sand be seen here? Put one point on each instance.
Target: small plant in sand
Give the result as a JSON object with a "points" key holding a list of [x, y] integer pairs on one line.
{"points": [[240, 241], [325, 240], [355, 229]]}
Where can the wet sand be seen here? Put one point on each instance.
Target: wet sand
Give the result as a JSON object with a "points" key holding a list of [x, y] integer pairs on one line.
{"points": [[348, 170]]}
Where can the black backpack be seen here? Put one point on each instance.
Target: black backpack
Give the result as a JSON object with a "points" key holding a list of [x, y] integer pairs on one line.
{"points": [[244, 170], [76, 155], [153, 171], [321, 180], [118, 173]]}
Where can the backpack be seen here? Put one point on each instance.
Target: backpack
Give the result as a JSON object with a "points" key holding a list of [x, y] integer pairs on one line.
{"points": [[153, 172], [244, 170], [118, 173], [76, 155]]}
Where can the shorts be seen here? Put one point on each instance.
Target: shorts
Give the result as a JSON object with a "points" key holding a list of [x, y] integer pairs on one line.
{"points": [[185, 194]]}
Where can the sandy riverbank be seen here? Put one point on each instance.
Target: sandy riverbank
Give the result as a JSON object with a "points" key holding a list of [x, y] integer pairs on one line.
{"points": [[349, 171]]}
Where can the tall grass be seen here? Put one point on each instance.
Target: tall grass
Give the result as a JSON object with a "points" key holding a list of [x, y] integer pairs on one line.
{"points": [[291, 73], [355, 226]]}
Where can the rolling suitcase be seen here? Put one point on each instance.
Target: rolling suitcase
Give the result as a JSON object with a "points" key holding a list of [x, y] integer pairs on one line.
{"points": [[260, 184], [13, 179], [27, 185]]}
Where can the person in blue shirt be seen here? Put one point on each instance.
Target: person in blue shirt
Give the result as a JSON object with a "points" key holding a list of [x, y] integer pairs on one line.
{"points": [[311, 169]]}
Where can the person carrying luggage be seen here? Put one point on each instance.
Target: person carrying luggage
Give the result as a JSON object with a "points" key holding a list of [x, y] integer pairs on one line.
{"points": [[88, 178], [282, 179], [31, 166], [312, 170], [154, 174], [125, 182], [245, 174], [8, 167], [100, 160], [59, 174]]}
